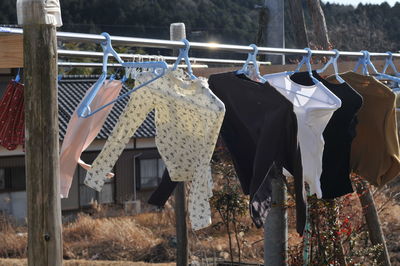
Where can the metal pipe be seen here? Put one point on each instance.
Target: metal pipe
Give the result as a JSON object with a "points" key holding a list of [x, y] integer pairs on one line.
{"points": [[156, 43], [88, 54], [89, 64]]}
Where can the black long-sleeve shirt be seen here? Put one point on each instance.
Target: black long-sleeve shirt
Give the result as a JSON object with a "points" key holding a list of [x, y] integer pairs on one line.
{"points": [[260, 131]]}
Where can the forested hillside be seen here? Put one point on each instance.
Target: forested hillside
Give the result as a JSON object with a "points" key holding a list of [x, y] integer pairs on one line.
{"points": [[372, 27]]}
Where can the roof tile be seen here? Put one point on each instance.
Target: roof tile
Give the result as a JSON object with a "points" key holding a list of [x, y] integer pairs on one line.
{"points": [[71, 90]]}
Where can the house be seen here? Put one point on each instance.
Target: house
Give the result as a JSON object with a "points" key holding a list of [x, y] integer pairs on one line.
{"points": [[137, 172]]}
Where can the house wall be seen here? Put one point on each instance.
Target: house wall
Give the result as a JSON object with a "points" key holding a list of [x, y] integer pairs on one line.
{"points": [[126, 183], [14, 203]]}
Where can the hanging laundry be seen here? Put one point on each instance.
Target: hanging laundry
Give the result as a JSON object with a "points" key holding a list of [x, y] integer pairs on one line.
{"points": [[314, 106], [338, 136], [260, 131], [81, 132], [188, 120], [375, 151], [12, 118]]}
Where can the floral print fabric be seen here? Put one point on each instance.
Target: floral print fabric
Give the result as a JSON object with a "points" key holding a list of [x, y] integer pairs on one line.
{"points": [[188, 117]]}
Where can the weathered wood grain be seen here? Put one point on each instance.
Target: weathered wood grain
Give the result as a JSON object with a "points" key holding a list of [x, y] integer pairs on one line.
{"points": [[42, 145]]}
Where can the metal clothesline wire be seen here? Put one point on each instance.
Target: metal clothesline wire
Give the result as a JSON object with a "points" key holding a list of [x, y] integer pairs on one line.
{"points": [[90, 64], [89, 54], [156, 43]]}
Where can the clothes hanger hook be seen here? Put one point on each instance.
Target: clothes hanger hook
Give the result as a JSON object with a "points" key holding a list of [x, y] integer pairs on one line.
{"points": [[337, 54], [108, 39], [18, 77], [390, 55], [309, 53], [187, 44], [255, 49], [366, 55]]}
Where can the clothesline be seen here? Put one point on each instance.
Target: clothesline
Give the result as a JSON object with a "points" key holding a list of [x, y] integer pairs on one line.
{"points": [[157, 43], [89, 54], [93, 64]]}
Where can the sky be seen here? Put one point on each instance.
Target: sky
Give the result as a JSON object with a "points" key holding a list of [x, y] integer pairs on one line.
{"points": [[356, 2]]}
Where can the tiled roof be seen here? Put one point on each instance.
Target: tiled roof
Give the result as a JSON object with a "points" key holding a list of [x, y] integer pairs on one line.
{"points": [[71, 90]]}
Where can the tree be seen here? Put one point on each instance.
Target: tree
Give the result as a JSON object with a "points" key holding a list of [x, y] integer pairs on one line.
{"points": [[319, 24]]}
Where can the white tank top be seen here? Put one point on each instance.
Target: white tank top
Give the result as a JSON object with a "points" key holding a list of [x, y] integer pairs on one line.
{"points": [[314, 107]]}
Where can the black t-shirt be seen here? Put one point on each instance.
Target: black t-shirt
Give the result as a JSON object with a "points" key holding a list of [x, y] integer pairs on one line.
{"points": [[260, 132], [338, 135]]}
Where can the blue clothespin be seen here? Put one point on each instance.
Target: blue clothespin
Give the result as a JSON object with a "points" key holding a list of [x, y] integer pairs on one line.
{"points": [[18, 77]]}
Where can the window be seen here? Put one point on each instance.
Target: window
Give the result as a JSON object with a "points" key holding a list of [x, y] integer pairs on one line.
{"points": [[88, 195], [12, 179], [2, 179], [150, 172]]}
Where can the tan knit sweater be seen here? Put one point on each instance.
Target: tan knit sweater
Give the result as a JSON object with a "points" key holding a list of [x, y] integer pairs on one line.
{"points": [[375, 151]]}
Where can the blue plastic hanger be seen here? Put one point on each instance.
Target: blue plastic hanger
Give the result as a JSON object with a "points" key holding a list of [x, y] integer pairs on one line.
{"points": [[184, 54], [84, 108], [389, 62], [365, 61], [305, 60], [333, 61], [251, 58], [288, 73]]}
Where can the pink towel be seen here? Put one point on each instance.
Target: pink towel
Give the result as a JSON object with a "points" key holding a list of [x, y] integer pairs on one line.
{"points": [[82, 131]]}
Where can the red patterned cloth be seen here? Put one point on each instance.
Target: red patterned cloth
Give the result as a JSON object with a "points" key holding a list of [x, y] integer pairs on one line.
{"points": [[12, 116]]}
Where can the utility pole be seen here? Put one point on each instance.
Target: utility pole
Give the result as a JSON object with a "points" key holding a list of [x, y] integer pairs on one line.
{"points": [[39, 20], [275, 30], [177, 33], [276, 227]]}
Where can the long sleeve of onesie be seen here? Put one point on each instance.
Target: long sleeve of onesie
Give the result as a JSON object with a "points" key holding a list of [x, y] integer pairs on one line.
{"points": [[201, 189], [140, 104]]}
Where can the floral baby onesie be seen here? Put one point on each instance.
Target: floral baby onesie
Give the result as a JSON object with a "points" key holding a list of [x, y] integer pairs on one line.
{"points": [[188, 117]]}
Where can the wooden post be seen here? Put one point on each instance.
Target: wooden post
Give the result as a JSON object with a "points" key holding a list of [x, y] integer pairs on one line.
{"points": [[41, 133], [298, 23], [319, 24], [275, 229], [372, 219], [177, 33]]}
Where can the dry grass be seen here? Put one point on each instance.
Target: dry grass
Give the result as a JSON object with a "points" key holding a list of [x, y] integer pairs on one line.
{"points": [[119, 238], [150, 237], [23, 262], [12, 239]]}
